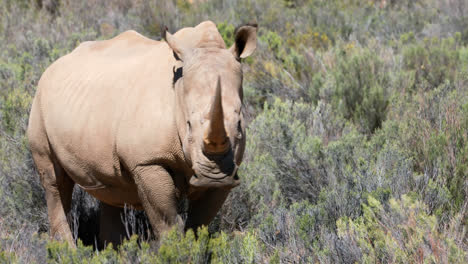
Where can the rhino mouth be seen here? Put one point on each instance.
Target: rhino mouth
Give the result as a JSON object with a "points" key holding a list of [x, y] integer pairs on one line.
{"points": [[218, 178], [211, 175], [207, 182], [215, 170]]}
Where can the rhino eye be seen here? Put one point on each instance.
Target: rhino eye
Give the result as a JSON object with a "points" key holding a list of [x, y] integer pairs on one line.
{"points": [[189, 127], [239, 130]]}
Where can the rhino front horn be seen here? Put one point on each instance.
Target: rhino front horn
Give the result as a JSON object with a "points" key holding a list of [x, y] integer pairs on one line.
{"points": [[215, 138]]}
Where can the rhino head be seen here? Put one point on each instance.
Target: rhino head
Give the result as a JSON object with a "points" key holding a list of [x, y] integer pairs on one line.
{"points": [[209, 108]]}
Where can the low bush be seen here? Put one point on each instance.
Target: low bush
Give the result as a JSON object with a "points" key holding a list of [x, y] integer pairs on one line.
{"points": [[362, 85], [401, 232]]}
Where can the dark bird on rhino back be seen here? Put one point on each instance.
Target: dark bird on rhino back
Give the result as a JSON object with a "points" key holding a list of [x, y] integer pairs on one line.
{"points": [[112, 118]]}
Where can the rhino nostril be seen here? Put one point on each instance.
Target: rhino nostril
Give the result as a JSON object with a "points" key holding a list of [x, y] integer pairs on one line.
{"points": [[236, 177]]}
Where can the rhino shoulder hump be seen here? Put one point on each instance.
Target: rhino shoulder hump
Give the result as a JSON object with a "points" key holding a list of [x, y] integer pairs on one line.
{"points": [[133, 36]]}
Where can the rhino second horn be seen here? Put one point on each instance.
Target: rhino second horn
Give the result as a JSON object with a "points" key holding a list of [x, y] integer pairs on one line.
{"points": [[215, 136]]}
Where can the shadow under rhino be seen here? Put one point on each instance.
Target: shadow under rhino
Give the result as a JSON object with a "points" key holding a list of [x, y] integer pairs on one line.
{"points": [[117, 223]]}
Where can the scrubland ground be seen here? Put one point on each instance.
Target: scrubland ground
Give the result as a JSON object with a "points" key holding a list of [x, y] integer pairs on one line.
{"points": [[357, 147]]}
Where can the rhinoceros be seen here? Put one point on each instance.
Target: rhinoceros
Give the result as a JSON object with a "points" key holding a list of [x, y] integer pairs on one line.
{"points": [[144, 123]]}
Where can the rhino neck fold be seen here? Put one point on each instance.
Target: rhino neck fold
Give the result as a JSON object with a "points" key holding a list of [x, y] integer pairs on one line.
{"points": [[180, 120]]}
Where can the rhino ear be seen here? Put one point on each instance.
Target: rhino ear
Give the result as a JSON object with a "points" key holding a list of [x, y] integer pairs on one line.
{"points": [[179, 51], [245, 41]]}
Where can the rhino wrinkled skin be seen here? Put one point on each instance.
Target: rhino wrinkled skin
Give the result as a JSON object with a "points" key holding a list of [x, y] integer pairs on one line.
{"points": [[117, 118]]}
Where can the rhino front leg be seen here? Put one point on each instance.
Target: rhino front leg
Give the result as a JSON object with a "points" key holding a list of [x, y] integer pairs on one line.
{"points": [[158, 195], [58, 192], [205, 207]]}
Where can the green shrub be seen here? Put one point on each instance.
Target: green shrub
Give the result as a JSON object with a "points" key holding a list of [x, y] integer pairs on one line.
{"points": [[227, 32], [403, 233], [362, 85], [290, 58], [180, 248], [175, 247], [13, 109], [6, 257], [432, 62], [289, 153]]}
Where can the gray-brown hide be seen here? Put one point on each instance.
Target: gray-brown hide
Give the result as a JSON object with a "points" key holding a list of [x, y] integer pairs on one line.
{"points": [[109, 118]]}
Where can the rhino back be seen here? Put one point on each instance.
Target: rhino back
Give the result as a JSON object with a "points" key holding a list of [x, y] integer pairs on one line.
{"points": [[106, 97]]}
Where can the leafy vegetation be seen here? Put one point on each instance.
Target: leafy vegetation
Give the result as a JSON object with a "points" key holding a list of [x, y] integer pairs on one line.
{"points": [[357, 144]]}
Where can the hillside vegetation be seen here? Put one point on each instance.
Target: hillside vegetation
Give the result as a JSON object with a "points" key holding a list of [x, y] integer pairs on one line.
{"points": [[357, 146]]}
